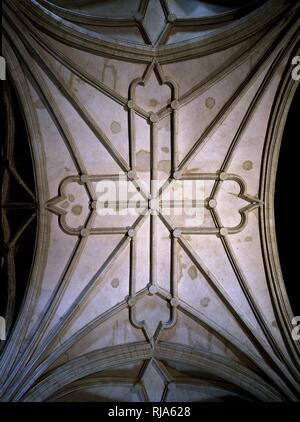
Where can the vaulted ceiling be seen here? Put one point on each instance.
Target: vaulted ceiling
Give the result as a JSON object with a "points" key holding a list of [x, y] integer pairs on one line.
{"points": [[154, 306]]}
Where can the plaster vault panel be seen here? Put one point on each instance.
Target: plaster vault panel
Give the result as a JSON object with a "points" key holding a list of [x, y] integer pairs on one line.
{"points": [[153, 306]]}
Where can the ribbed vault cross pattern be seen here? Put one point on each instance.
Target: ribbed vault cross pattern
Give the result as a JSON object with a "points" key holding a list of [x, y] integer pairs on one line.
{"points": [[152, 307], [150, 195]]}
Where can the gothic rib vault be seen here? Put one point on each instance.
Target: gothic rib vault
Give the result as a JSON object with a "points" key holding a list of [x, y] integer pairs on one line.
{"points": [[148, 307]]}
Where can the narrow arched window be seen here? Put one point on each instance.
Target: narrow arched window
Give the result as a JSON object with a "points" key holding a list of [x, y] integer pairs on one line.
{"points": [[286, 212], [18, 207]]}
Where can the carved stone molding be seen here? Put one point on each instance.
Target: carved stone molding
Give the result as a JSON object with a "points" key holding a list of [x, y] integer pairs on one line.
{"points": [[153, 306]]}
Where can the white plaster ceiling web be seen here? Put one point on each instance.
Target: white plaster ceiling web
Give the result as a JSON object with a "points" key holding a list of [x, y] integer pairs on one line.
{"points": [[160, 291], [151, 22]]}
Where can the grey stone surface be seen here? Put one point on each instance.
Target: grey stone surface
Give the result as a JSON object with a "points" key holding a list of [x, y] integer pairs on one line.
{"points": [[153, 307]]}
